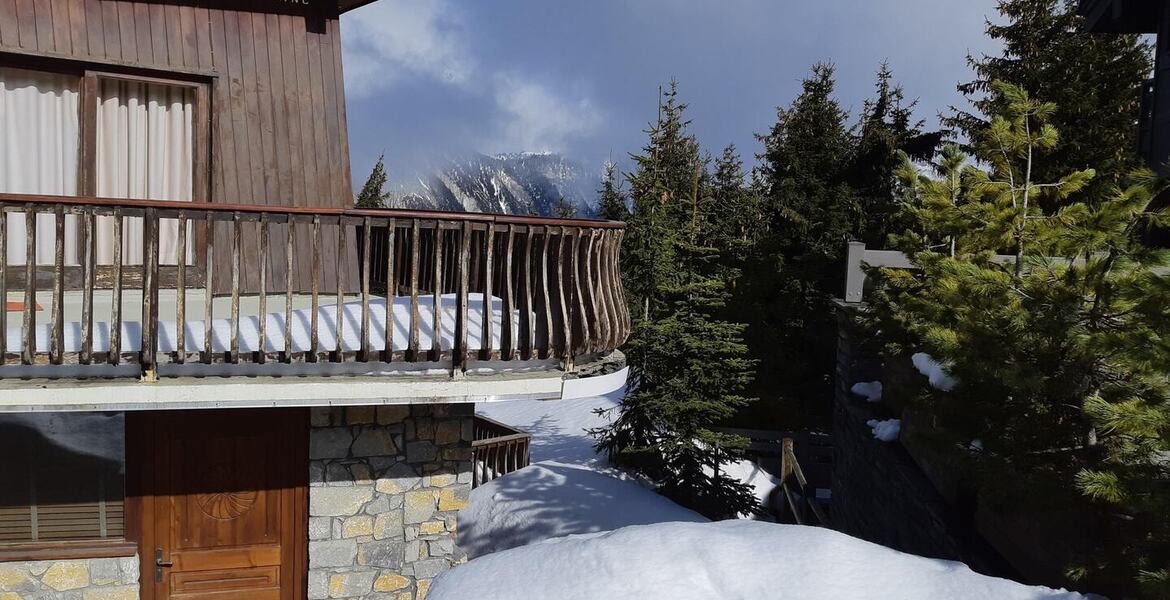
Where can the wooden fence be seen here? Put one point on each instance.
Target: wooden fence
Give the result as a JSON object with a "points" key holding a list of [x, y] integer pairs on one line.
{"points": [[498, 449]]}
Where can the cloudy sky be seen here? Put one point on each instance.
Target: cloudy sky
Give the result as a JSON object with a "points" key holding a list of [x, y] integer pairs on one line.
{"points": [[427, 77]]}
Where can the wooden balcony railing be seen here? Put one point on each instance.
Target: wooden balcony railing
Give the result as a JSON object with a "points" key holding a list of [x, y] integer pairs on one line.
{"points": [[498, 449], [297, 285]]}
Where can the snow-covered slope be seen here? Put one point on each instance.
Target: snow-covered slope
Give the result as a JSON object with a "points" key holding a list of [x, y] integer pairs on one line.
{"points": [[550, 500], [731, 560], [522, 183], [568, 489]]}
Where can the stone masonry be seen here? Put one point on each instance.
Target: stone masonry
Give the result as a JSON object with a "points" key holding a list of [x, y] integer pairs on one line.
{"points": [[385, 485], [90, 579]]}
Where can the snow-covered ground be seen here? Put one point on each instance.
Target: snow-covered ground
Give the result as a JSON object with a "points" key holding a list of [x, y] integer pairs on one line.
{"points": [[571, 527], [568, 489], [731, 560]]}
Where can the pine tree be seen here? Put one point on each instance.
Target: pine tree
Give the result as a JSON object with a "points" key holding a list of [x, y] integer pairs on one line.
{"points": [[811, 214], [688, 368], [611, 204], [372, 194], [1094, 80], [1061, 351]]}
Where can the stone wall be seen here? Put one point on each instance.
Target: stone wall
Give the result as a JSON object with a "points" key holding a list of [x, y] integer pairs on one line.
{"points": [[880, 493], [89, 579], [385, 486]]}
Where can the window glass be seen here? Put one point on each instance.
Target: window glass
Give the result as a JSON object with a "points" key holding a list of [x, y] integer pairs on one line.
{"points": [[64, 476]]}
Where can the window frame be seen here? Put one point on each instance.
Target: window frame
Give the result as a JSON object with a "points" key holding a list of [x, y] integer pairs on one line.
{"points": [[90, 73]]}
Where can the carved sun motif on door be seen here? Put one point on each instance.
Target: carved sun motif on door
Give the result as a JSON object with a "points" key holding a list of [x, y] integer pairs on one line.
{"points": [[225, 506]]}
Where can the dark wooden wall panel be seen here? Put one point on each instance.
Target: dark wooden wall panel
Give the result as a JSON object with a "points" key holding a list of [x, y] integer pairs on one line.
{"points": [[278, 100]]}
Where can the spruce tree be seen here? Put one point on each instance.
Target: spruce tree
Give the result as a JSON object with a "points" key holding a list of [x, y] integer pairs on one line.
{"points": [[688, 368], [1094, 80], [886, 129], [372, 194], [611, 203], [1060, 350], [811, 214]]}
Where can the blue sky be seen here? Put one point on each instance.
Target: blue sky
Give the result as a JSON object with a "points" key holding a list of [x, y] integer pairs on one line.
{"points": [[436, 77]]}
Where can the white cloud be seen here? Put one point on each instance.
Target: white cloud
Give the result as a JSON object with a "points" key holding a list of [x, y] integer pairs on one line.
{"points": [[388, 40], [537, 119]]}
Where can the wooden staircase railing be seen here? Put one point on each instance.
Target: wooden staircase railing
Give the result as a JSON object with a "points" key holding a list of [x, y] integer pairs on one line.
{"points": [[498, 449]]}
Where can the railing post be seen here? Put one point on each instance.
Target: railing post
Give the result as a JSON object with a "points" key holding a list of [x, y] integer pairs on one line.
{"points": [[148, 351], [854, 273]]}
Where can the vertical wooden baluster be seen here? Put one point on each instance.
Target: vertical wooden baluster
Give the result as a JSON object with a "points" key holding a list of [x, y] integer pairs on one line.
{"points": [[606, 284], [208, 289], [412, 349], [316, 292], [148, 350], [388, 352], [547, 350], [237, 257], [262, 325], [366, 243], [527, 320], [508, 335], [487, 343], [57, 341], [437, 297], [3, 285], [288, 291], [181, 294], [29, 322], [339, 311], [88, 247], [562, 291], [596, 317], [461, 349], [114, 355], [577, 311]]}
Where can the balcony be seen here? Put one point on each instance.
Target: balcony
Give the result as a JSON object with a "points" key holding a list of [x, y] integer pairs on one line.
{"points": [[153, 301]]}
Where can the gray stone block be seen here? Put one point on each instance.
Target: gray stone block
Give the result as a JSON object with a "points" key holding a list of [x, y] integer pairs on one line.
{"points": [[385, 554], [332, 553], [421, 452], [430, 568], [320, 528], [332, 442]]}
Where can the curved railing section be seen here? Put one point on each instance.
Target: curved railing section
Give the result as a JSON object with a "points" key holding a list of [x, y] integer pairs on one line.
{"points": [[159, 288]]}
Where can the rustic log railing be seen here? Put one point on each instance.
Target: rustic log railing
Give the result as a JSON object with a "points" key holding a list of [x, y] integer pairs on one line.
{"points": [[498, 449], [389, 286]]}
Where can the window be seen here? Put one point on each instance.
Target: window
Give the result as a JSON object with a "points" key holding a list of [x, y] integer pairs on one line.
{"points": [[64, 477], [110, 135], [39, 148]]}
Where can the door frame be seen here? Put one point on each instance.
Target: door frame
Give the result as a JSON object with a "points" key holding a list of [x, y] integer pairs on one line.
{"points": [[140, 516]]}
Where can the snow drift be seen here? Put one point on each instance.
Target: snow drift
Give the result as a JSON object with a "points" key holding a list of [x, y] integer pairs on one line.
{"points": [[731, 560]]}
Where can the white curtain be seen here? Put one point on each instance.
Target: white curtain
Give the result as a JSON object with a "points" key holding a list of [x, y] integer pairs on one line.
{"points": [[145, 140], [39, 145]]}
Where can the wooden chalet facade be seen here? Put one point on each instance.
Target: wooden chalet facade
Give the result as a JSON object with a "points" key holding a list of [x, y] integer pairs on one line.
{"points": [[219, 380]]}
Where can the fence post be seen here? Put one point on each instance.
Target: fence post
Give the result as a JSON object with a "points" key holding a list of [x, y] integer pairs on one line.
{"points": [[854, 274]]}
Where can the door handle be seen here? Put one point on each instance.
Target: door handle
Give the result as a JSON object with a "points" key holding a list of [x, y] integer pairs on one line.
{"points": [[160, 564]]}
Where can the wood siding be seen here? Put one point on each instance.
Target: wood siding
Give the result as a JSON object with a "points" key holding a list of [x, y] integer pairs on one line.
{"points": [[278, 124]]}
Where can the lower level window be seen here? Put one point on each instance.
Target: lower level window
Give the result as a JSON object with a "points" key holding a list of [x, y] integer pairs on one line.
{"points": [[63, 477]]}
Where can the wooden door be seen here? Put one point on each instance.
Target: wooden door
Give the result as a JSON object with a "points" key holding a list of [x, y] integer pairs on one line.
{"points": [[224, 513]]}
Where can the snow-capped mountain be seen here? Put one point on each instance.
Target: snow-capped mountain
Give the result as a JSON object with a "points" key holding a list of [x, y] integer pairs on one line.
{"points": [[523, 183]]}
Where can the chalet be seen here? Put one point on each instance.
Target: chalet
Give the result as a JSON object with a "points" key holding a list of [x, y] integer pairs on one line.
{"points": [[1146, 17], [217, 378]]}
